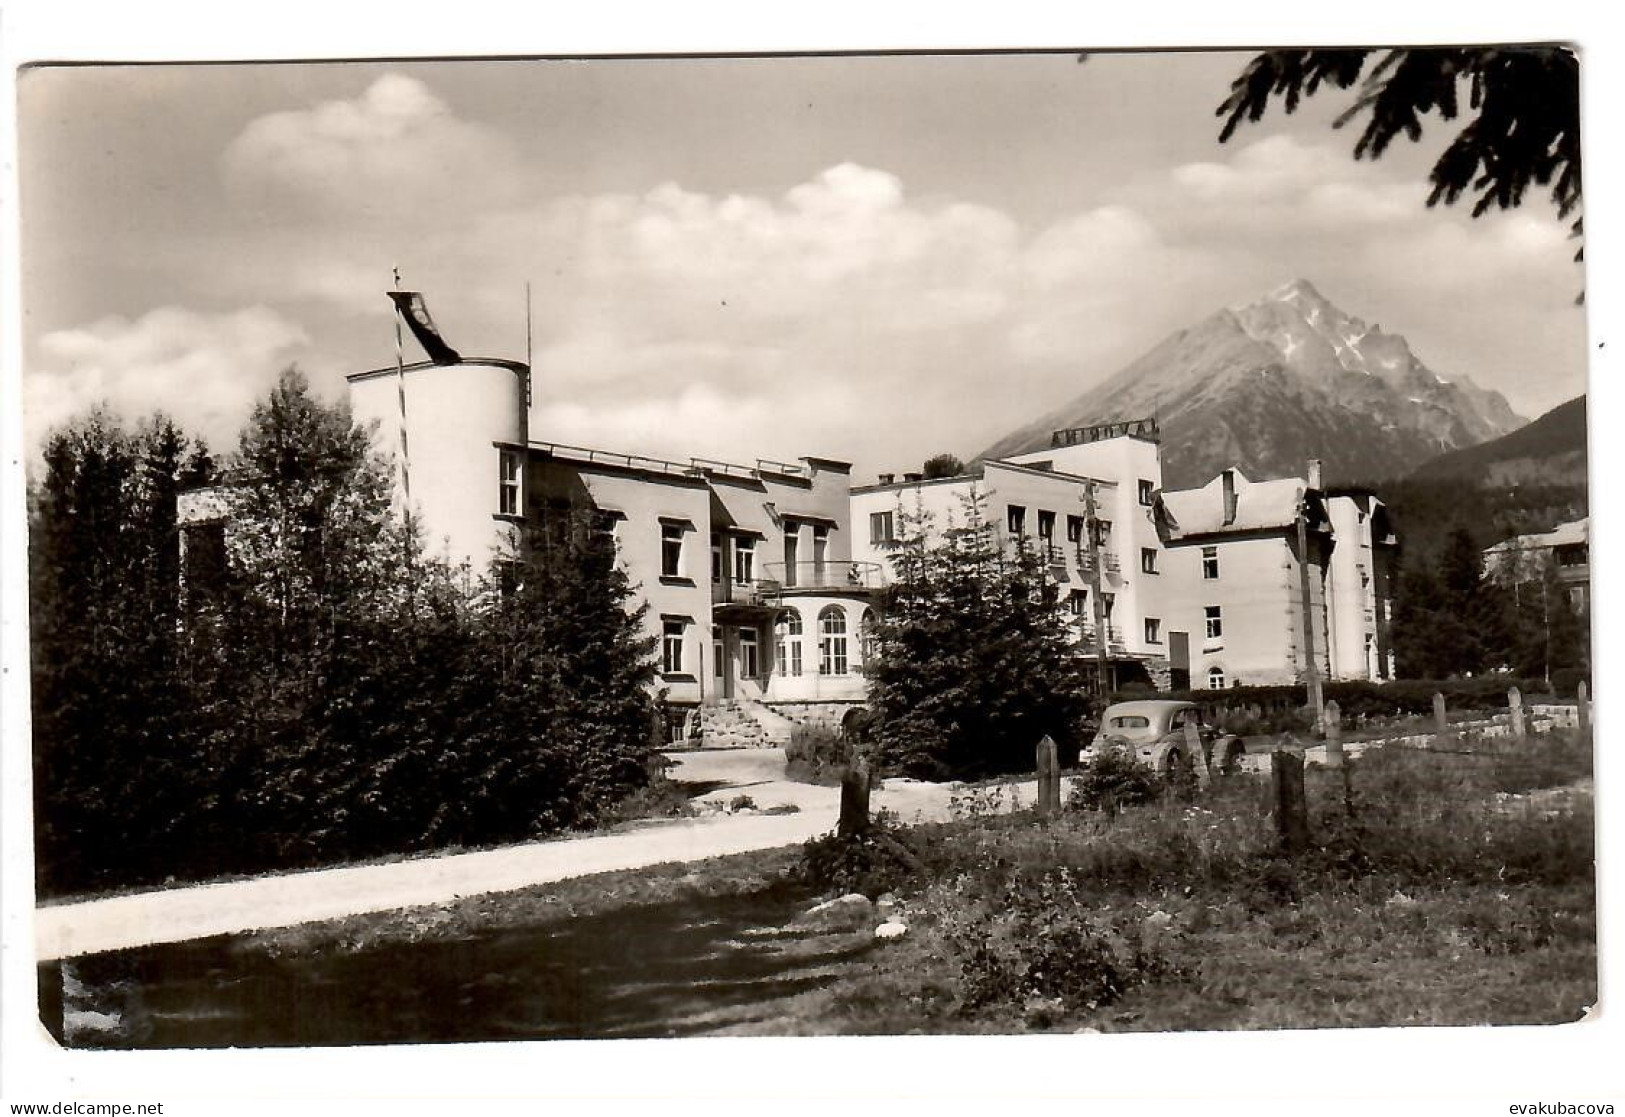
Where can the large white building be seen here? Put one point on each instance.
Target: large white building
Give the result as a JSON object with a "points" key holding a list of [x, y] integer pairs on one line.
{"points": [[1267, 576], [755, 599], [761, 578], [1113, 584]]}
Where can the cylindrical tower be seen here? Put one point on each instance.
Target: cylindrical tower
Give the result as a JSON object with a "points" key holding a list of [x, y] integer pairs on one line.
{"points": [[466, 427]]}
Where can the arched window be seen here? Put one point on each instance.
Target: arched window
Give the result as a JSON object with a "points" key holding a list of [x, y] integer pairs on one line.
{"points": [[832, 641], [787, 644], [1215, 678], [866, 636]]}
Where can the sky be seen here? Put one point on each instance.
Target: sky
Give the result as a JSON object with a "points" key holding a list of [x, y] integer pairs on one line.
{"points": [[874, 258]]}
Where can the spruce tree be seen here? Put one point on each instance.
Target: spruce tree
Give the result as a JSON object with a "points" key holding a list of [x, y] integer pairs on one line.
{"points": [[974, 663]]}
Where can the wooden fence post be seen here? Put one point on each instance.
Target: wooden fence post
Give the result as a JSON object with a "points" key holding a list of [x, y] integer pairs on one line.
{"points": [[1582, 700], [1291, 805], [1515, 712], [1441, 720], [1334, 735], [854, 798], [1049, 777]]}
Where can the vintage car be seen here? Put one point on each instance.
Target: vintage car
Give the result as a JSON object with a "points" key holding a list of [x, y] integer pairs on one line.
{"points": [[1154, 730]]}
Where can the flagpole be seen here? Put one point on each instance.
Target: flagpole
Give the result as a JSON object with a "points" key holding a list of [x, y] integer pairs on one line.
{"points": [[400, 395], [527, 350]]}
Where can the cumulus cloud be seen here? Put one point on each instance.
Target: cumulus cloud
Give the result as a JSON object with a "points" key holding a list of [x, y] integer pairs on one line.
{"points": [[937, 320], [203, 370], [395, 147]]}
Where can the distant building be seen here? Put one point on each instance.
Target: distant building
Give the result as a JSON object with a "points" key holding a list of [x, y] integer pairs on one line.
{"points": [[1525, 558], [755, 601], [1235, 595]]}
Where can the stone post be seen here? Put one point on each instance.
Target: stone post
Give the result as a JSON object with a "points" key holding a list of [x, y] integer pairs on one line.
{"points": [[1582, 700], [1334, 735], [1515, 712], [1291, 805], [1441, 720], [1200, 761], [854, 798], [1049, 777]]}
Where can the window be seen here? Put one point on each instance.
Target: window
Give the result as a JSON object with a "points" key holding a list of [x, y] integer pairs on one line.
{"points": [[820, 549], [1107, 600], [508, 474], [1103, 533], [1153, 630], [832, 641], [719, 653], [1215, 678], [509, 578], [1147, 489], [750, 662], [1046, 526], [671, 551], [716, 559], [1365, 576], [866, 635], [1015, 519], [1215, 622], [671, 647], [744, 560], [1210, 563], [1074, 529], [787, 650], [1148, 560], [1077, 602], [881, 529], [1130, 721]]}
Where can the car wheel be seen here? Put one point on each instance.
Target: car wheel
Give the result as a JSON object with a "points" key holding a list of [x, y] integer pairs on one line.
{"points": [[1171, 760]]}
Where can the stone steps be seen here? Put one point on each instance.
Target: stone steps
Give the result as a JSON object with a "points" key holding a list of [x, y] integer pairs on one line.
{"points": [[735, 723]]}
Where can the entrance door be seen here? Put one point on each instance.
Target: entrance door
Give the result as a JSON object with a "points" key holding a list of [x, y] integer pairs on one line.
{"points": [[1179, 660]]}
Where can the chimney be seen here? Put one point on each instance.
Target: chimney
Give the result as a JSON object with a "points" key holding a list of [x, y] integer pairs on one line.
{"points": [[1228, 479], [1314, 473], [912, 477], [887, 478]]}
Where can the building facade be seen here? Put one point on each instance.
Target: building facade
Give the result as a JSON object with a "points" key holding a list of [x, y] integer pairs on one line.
{"points": [[1267, 577], [1524, 559], [1110, 576], [755, 601]]}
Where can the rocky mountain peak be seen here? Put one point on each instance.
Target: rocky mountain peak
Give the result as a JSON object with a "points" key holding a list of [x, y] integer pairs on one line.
{"points": [[1291, 375]]}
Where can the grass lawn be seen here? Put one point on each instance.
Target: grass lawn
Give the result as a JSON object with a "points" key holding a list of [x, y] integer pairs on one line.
{"points": [[1441, 890], [1444, 890]]}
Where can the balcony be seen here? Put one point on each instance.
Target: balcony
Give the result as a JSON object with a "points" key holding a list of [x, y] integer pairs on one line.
{"points": [[733, 592], [1108, 561], [830, 575], [1085, 633]]}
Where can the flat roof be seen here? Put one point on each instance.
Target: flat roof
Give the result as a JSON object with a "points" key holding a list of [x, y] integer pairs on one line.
{"points": [[416, 366]]}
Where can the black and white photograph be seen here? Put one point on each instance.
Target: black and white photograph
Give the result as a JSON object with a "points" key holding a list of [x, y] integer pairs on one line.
{"points": [[1067, 541]]}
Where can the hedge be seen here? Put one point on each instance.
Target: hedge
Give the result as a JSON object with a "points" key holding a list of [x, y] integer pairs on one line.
{"points": [[1274, 709]]}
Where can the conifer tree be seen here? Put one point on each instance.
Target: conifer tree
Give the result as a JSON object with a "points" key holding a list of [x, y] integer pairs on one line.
{"points": [[974, 663]]}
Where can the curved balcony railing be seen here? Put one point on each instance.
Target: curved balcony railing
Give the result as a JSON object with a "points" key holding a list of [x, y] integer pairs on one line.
{"points": [[830, 575]]}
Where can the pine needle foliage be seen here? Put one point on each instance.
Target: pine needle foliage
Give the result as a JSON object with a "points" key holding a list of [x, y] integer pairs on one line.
{"points": [[974, 660]]}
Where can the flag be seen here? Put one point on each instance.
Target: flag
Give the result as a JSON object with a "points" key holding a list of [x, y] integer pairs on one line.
{"points": [[411, 306]]}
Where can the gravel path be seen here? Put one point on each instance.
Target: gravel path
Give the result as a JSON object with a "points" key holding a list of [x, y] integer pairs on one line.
{"points": [[181, 914]]}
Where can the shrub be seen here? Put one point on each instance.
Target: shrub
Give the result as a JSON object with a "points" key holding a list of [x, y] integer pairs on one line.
{"points": [[816, 754], [1113, 778], [875, 861], [1038, 943], [1566, 681], [741, 803]]}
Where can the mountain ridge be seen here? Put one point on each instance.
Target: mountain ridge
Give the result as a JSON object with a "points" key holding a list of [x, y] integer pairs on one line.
{"points": [[1270, 383]]}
